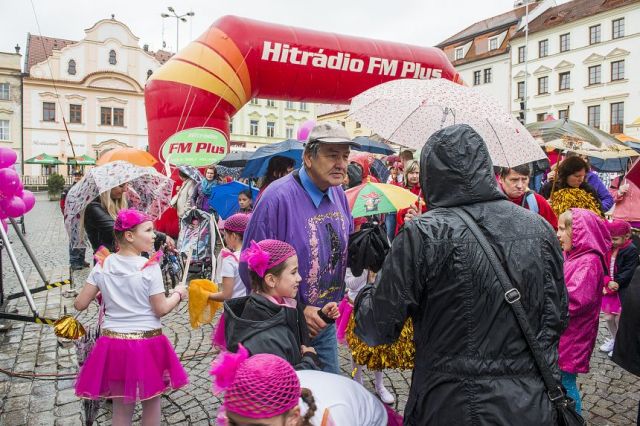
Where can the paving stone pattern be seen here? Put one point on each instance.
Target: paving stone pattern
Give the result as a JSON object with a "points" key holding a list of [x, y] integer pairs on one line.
{"points": [[610, 394]]}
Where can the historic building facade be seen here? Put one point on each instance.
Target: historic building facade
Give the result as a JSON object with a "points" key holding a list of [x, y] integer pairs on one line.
{"points": [[11, 103]]}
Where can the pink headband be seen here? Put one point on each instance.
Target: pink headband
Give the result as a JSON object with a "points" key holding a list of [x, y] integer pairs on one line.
{"points": [[266, 254], [129, 218], [618, 228], [259, 387], [237, 222]]}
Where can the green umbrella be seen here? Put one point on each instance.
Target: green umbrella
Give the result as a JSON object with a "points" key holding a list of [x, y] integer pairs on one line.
{"points": [[569, 135], [44, 159], [84, 160]]}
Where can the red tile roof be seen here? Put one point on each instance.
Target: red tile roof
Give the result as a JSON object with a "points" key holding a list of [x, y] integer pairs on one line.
{"points": [[570, 12], [40, 48]]}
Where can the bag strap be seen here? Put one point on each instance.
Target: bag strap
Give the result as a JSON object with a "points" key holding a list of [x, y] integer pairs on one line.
{"points": [[512, 297]]}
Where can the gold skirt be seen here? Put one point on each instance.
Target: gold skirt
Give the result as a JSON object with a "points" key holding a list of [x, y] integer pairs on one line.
{"points": [[397, 355]]}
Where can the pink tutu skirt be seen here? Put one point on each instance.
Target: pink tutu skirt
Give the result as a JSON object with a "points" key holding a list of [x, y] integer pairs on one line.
{"points": [[342, 322], [133, 369], [217, 338], [611, 303]]}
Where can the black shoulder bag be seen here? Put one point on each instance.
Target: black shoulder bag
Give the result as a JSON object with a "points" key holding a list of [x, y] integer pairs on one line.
{"points": [[565, 405]]}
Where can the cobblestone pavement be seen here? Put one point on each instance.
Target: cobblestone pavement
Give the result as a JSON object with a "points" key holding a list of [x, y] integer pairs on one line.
{"points": [[610, 395]]}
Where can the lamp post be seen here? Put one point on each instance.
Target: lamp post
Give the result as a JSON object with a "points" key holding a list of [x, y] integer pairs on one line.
{"points": [[178, 19]]}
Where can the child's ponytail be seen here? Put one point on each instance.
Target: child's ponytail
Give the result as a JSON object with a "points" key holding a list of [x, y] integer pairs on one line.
{"points": [[307, 398]]}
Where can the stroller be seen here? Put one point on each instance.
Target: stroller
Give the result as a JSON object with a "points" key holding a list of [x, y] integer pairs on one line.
{"points": [[196, 234]]}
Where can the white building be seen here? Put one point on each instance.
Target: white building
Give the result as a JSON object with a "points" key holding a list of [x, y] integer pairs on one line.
{"points": [[583, 62], [95, 84], [264, 121], [11, 103]]}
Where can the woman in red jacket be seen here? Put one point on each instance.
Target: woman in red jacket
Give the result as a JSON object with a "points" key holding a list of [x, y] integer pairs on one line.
{"points": [[412, 183]]}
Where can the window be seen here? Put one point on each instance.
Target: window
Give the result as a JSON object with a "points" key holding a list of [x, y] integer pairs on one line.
{"points": [[75, 113], [564, 80], [617, 117], [253, 127], [289, 105], [617, 28], [271, 103], [118, 117], [595, 75], [105, 116], [230, 126], [617, 70], [271, 129], [593, 116], [71, 67], [487, 75], [48, 111], [476, 77], [303, 106], [358, 125], [459, 53], [289, 131], [254, 101], [112, 57], [149, 72], [595, 35], [5, 91], [4, 130], [493, 43], [540, 116], [521, 90], [543, 85], [521, 54], [563, 114], [543, 48], [564, 42]]}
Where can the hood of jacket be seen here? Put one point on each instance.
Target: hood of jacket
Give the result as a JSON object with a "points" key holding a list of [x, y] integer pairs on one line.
{"points": [[456, 170], [239, 329], [589, 234]]}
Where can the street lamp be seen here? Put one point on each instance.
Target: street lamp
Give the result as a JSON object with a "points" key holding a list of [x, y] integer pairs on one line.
{"points": [[178, 19]]}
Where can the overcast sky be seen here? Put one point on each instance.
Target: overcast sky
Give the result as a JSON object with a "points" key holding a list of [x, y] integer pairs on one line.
{"points": [[421, 22]]}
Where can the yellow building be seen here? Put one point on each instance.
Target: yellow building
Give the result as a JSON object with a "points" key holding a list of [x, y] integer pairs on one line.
{"points": [[11, 103], [338, 113]]}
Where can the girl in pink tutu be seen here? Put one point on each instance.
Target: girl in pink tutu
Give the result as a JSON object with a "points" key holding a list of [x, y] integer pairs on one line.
{"points": [[623, 262], [132, 360]]}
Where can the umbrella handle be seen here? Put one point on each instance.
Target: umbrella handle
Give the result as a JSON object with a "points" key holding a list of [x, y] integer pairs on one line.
{"points": [[186, 266]]}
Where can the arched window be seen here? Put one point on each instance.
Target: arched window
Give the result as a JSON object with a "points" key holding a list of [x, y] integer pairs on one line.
{"points": [[149, 72], [112, 57], [72, 67]]}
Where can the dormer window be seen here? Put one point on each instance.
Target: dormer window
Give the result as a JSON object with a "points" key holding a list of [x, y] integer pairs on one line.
{"points": [[149, 72], [71, 69], [459, 53], [112, 57], [493, 43]]}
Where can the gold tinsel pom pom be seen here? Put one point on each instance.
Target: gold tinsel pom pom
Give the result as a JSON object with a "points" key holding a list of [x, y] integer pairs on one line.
{"points": [[573, 198], [201, 309], [68, 327], [399, 354]]}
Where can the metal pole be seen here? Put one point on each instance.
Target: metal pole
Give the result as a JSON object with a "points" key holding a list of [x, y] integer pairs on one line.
{"points": [[29, 252], [16, 267], [526, 61]]}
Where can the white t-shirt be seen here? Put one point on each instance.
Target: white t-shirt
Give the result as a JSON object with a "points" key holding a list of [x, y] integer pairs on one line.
{"points": [[346, 401], [230, 269], [126, 288], [355, 284]]}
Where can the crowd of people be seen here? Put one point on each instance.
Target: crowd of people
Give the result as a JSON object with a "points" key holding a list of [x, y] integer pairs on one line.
{"points": [[295, 284]]}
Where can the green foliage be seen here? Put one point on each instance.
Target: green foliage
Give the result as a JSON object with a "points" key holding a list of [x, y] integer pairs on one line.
{"points": [[55, 183]]}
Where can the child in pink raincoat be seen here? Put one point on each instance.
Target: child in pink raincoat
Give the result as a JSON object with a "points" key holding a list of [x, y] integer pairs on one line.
{"points": [[585, 240]]}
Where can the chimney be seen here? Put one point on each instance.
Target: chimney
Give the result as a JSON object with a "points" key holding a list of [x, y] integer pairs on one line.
{"points": [[17, 49], [145, 47]]}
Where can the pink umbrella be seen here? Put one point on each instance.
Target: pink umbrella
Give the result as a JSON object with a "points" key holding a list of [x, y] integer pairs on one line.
{"points": [[407, 112]]}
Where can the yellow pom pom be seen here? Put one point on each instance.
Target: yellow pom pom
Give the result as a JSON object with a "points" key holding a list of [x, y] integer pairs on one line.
{"points": [[201, 308]]}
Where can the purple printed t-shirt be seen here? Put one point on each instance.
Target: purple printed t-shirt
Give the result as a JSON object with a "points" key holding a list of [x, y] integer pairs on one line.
{"points": [[320, 234]]}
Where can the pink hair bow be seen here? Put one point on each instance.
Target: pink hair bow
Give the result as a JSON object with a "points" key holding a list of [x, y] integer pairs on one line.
{"points": [[257, 259]]}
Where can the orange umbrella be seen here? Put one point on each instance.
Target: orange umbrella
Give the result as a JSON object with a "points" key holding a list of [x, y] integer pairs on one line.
{"points": [[626, 138], [131, 155]]}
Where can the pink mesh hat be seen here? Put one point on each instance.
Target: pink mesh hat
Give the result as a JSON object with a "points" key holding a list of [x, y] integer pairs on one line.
{"points": [[129, 218], [266, 254], [257, 387], [237, 222], [618, 228]]}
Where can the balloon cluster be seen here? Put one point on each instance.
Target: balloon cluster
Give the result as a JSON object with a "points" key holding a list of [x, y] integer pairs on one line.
{"points": [[304, 130], [14, 199]]}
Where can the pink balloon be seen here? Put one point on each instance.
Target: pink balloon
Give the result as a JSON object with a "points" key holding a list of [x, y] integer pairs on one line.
{"points": [[305, 129], [8, 157], [14, 206], [3, 214], [29, 200], [9, 182]]}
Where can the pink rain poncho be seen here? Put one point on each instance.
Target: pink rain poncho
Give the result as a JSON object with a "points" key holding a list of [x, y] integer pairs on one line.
{"points": [[584, 271]]}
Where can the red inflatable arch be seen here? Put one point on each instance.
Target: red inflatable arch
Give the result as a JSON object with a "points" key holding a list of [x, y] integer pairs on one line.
{"points": [[237, 59]]}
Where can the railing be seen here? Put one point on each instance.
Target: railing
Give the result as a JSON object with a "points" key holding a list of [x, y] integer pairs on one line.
{"points": [[40, 182]]}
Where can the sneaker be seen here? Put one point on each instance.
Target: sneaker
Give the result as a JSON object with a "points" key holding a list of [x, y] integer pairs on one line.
{"points": [[86, 264], [385, 395], [607, 346]]}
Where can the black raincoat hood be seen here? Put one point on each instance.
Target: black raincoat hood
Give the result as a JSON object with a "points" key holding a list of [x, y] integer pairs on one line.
{"points": [[456, 170]]}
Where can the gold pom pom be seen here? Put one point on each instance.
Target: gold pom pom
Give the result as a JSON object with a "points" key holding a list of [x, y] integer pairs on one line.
{"points": [[573, 198], [68, 327], [201, 309]]}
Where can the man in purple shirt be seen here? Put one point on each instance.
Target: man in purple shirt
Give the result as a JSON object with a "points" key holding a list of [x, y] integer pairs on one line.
{"points": [[309, 210]]}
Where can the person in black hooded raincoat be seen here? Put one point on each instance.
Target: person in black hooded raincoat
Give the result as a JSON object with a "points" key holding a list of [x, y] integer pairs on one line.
{"points": [[472, 364]]}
